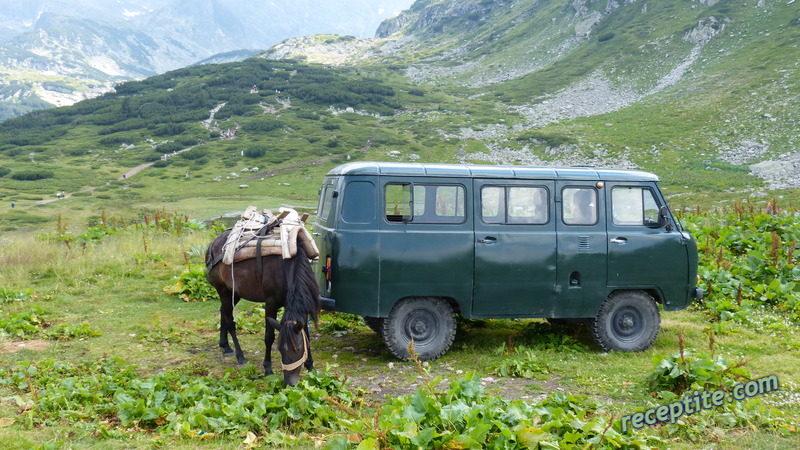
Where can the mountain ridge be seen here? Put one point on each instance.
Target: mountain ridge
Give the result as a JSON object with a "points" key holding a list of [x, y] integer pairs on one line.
{"points": [[85, 55]]}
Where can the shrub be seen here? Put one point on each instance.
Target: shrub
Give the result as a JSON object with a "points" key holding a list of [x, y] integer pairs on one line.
{"points": [[4, 171], [308, 115], [255, 152], [32, 175], [605, 37], [195, 153], [263, 125], [169, 147]]}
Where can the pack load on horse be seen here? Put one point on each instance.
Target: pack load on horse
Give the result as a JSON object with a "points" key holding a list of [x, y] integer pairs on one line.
{"points": [[265, 259]]}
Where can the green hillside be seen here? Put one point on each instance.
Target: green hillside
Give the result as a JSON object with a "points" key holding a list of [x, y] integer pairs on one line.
{"points": [[703, 93]]}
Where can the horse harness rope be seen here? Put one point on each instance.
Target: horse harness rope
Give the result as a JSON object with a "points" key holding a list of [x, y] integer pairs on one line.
{"points": [[303, 359]]}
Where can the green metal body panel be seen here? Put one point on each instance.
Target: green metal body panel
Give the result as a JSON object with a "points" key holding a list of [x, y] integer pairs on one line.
{"points": [[548, 269], [582, 249], [515, 264]]}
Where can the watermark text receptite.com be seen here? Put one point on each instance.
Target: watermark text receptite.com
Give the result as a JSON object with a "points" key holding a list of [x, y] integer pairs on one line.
{"points": [[695, 401]]}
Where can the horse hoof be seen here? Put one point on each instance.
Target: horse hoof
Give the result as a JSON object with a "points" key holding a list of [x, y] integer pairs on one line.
{"points": [[227, 354]]}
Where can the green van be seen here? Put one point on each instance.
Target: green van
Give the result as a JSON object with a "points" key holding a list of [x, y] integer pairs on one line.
{"points": [[408, 246]]}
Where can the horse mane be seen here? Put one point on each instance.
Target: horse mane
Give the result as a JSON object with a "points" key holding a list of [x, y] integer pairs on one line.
{"points": [[302, 298]]}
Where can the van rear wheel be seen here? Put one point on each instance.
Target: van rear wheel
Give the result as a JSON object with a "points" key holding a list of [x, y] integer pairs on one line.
{"points": [[428, 321], [628, 321]]}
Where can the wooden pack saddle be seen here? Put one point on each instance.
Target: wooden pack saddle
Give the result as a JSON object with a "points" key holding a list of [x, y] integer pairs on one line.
{"points": [[268, 234]]}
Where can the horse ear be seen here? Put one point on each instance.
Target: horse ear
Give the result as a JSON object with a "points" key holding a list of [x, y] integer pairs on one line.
{"points": [[274, 323]]}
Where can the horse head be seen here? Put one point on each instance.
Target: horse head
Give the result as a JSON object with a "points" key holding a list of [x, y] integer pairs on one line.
{"points": [[293, 347]]}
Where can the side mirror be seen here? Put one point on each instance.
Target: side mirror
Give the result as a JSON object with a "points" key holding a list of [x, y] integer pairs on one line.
{"points": [[662, 222], [663, 219]]}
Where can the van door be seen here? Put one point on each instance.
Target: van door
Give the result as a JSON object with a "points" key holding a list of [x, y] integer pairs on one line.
{"points": [[425, 240], [515, 248], [642, 254], [582, 249]]}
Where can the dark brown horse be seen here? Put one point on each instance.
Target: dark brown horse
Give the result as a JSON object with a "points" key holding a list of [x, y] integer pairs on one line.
{"points": [[278, 283]]}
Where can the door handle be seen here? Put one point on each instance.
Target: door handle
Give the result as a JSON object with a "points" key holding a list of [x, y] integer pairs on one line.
{"points": [[488, 240], [619, 240]]}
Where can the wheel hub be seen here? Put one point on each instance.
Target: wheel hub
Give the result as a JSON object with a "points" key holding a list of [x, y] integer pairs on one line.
{"points": [[627, 323], [420, 326]]}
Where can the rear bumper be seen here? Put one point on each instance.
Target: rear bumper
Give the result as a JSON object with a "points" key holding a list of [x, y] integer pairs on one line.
{"points": [[328, 304]]}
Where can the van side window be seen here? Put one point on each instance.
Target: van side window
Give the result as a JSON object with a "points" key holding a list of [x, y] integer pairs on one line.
{"points": [[425, 203], [359, 202], [397, 202], [633, 206], [579, 206], [514, 205]]}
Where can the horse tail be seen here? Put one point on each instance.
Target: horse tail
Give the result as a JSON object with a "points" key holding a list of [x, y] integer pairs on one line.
{"points": [[302, 299]]}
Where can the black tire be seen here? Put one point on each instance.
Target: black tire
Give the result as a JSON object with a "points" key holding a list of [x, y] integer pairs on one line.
{"points": [[628, 321], [375, 324], [429, 321]]}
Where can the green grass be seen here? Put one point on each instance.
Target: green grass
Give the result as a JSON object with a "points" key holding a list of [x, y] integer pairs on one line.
{"points": [[117, 287]]}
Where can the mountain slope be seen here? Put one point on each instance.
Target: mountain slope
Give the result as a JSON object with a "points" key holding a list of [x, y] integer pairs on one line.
{"points": [[735, 62], [56, 52], [705, 94]]}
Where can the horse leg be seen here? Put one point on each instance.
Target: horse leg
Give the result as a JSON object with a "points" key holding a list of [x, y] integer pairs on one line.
{"points": [[225, 318], [269, 337], [309, 364], [228, 326]]}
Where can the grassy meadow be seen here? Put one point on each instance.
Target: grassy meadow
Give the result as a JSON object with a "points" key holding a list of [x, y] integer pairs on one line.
{"points": [[99, 349]]}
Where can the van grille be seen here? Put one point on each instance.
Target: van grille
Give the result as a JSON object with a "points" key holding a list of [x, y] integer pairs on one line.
{"points": [[583, 244]]}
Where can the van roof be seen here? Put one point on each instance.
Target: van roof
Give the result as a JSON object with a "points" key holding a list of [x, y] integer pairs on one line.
{"points": [[485, 171]]}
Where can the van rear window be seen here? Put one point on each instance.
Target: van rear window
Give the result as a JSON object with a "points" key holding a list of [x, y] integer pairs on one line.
{"points": [[425, 203], [325, 202]]}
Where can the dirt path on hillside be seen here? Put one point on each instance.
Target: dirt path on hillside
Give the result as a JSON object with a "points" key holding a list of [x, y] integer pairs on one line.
{"points": [[211, 125], [125, 175], [208, 124]]}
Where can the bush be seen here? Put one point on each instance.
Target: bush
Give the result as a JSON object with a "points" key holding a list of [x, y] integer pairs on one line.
{"points": [[32, 175], [263, 125], [169, 147], [605, 37], [195, 153], [256, 152], [4, 171]]}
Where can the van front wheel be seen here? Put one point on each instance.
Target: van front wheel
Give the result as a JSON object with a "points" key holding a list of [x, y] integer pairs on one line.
{"points": [[628, 321], [429, 322]]}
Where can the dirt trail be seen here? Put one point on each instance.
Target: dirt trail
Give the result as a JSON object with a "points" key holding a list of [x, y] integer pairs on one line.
{"points": [[125, 175]]}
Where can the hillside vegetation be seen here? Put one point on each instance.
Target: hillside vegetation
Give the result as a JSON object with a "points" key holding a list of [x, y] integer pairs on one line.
{"points": [[703, 93]]}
